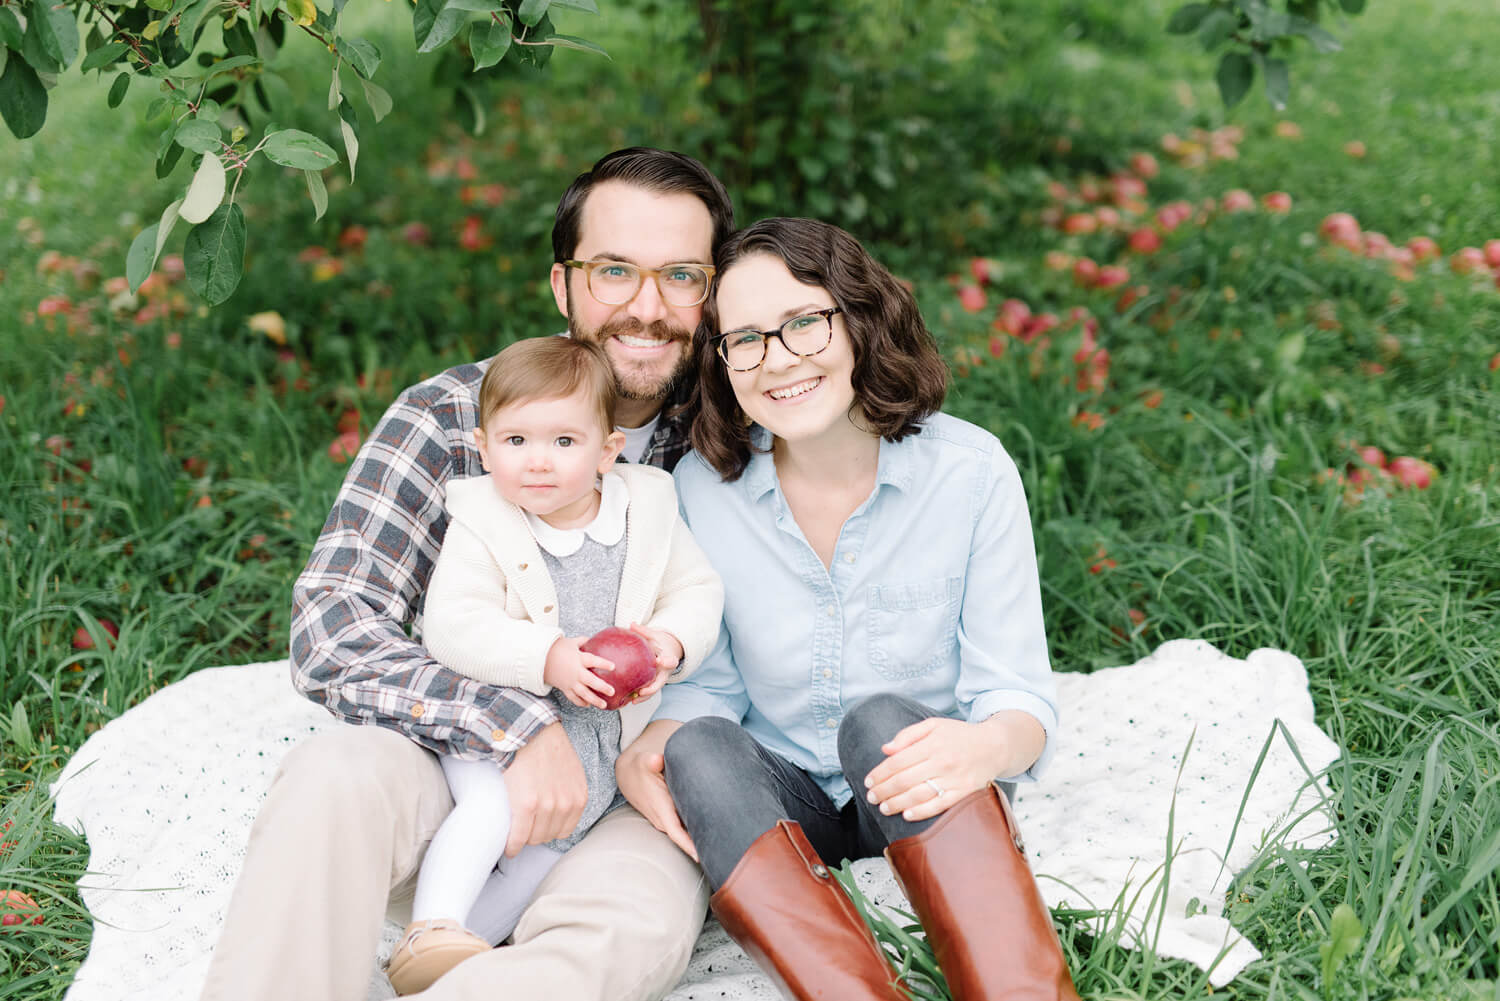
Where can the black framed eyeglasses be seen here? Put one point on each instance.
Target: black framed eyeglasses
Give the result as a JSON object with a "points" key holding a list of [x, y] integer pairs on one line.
{"points": [[802, 335], [615, 283]]}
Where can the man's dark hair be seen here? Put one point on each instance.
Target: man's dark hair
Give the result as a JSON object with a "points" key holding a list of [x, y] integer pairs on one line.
{"points": [[658, 170], [899, 376]]}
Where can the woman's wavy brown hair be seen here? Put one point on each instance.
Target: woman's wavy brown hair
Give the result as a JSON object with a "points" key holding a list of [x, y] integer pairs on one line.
{"points": [[899, 376]]}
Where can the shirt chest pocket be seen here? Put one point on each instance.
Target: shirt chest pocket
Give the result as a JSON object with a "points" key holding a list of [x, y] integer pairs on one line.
{"points": [[913, 627]]}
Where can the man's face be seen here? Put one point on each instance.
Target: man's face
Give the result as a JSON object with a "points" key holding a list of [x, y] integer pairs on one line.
{"points": [[648, 340]]}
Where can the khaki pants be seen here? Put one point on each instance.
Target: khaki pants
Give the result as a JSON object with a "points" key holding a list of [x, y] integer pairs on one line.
{"points": [[345, 824]]}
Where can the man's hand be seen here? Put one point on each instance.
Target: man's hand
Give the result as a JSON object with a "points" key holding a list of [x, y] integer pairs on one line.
{"points": [[639, 773], [548, 790]]}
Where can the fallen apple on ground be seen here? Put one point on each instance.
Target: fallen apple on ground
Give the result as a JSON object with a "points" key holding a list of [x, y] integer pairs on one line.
{"points": [[635, 664]]}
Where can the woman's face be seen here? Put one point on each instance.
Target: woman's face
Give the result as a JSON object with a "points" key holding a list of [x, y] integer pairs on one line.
{"points": [[796, 398]]}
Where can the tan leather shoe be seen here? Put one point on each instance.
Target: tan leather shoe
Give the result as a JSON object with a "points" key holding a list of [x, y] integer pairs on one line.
{"points": [[428, 950]]}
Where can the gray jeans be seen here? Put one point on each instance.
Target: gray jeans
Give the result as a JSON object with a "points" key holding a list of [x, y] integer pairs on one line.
{"points": [[729, 790]]}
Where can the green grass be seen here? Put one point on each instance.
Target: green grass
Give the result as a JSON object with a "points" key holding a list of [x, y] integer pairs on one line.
{"points": [[192, 471]]}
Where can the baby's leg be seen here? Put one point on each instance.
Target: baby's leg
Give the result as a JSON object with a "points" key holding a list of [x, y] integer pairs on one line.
{"points": [[508, 892], [468, 844]]}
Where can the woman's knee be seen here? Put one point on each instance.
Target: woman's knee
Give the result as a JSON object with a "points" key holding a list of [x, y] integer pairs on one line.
{"points": [[874, 720], [705, 762]]}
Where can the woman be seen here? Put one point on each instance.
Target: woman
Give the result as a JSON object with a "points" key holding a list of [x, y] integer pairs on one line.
{"points": [[882, 661]]}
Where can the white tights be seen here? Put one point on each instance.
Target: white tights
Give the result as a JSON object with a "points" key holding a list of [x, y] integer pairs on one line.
{"points": [[459, 879]]}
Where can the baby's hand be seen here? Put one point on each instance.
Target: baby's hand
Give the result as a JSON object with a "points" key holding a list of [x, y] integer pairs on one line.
{"points": [[669, 654], [568, 669]]}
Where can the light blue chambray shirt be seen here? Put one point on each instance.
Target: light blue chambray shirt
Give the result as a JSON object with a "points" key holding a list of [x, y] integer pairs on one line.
{"points": [[932, 593]]}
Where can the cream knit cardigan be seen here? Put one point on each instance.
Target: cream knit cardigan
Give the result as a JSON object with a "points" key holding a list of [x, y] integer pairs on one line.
{"points": [[491, 610]]}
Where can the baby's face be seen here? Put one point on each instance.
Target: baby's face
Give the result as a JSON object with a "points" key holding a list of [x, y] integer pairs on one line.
{"points": [[546, 455]]}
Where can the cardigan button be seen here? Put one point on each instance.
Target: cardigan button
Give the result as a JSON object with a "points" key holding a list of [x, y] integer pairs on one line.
{"points": [[497, 735], [417, 711]]}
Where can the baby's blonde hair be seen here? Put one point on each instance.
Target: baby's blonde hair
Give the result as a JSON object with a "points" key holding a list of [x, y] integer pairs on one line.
{"points": [[546, 368]]}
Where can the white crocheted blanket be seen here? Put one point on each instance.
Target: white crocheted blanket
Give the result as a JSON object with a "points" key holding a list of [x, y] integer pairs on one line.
{"points": [[167, 792]]}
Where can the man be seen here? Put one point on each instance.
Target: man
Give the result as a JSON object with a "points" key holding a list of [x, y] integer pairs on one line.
{"points": [[350, 812]]}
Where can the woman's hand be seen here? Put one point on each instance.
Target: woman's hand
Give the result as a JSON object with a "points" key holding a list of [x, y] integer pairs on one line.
{"points": [[639, 773], [933, 764]]}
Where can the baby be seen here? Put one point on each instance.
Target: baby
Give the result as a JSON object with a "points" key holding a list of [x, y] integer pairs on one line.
{"points": [[555, 543]]}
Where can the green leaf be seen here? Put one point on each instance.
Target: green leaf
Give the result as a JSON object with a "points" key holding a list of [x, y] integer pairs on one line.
{"points": [[167, 159], [295, 148], [117, 89], [104, 55], [23, 99], [206, 191], [1185, 19], [141, 257], [335, 90], [1235, 74], [533, 11], [489, 42], [1322, 41], [64, 22], [222, 66], [351, 145], [318, 193], [214, 254], [470, 110], [198, 135], [10, 29], [362, 55], [169, 219], [1278, 82], [574, 42], [481, 6], [434, 24], [1353, 6], [303, 12], [40, 46], [380, 101], [209, 110], [1216, 29], [1344, 933]]}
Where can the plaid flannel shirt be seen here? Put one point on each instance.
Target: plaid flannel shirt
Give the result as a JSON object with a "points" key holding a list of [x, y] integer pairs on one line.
{"points": [[354, 604]]}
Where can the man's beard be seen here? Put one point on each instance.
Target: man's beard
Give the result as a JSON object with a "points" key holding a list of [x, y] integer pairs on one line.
{"points": [[640, 382]]}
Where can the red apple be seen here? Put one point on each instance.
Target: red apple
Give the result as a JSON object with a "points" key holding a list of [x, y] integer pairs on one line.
{"points": [[83, 641], [1144, 165], [635, 664], [1467, 261], [1012, 317], [1492, 253], [1238, 200], [16, 907], [1412, 472], [1085, 272], [1145, 241], [1079, 223], [1341, 228], [1372, 456], [1277, 201], [1112, 276], [971, 298], [1423, 247]]}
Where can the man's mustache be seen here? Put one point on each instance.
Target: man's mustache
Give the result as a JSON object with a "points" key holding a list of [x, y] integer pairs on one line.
{"points": [[657, 330]]}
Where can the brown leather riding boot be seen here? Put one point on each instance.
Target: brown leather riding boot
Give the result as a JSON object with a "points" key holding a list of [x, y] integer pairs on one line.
{"points": [[968, 882], [789, 913]]}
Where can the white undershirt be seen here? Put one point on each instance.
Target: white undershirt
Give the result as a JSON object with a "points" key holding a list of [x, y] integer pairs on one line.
{"points": [[636, 439]]}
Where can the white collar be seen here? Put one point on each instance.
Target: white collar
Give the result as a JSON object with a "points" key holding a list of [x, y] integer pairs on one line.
{"points": [[607, 528]]}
